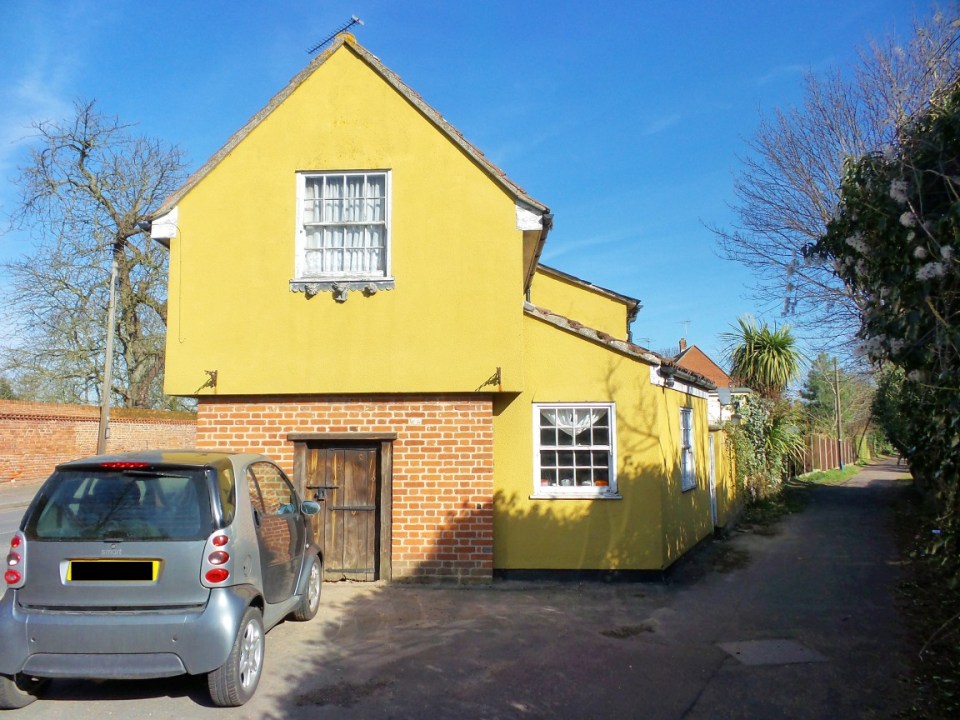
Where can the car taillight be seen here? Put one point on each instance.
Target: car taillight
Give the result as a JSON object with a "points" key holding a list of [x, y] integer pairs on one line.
{"points": [[217, 575], [16, 564], [219, 565]]}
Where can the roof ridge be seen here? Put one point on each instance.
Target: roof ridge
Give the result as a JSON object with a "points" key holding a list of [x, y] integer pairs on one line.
{"points": [[394, 80]]}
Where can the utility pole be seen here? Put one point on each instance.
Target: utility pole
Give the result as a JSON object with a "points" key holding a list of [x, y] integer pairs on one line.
{"points": [[839, 409]]}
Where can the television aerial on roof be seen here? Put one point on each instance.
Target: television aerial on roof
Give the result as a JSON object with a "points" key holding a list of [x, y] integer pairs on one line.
{"points": [[354, 20]]}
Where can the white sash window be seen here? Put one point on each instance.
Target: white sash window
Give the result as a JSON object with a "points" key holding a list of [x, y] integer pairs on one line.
{"points": [[343, 226], [575, 451]]}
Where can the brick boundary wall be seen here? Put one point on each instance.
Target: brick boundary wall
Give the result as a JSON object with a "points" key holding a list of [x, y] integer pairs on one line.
{"points": [[34, 437], [442, 503]]}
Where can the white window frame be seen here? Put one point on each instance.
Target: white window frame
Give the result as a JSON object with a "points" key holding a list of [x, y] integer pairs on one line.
{"points": [[688, 438], [557, 491], [312, 282]]}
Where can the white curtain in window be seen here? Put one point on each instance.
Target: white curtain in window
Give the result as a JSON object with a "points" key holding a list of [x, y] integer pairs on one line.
{"points": [[312, 202], [353, 204], [374, 254], [376, 191], [573, 421], [332, 190], [352, 212]]}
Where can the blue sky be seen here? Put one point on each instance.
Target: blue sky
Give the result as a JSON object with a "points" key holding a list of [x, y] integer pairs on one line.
{"points": [[625, 118]]}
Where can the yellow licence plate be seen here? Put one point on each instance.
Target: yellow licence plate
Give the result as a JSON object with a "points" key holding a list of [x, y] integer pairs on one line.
{"points": [[113, 570]]}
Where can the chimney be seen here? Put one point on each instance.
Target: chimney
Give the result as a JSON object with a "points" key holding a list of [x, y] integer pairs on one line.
{"points": [[683, 344]]}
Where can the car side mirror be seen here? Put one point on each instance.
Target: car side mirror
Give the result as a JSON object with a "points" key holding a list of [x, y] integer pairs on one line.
{"points": [[309, 507]]}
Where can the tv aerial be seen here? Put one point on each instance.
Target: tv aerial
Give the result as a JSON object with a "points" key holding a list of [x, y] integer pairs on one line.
{"points": [[354, 20]]}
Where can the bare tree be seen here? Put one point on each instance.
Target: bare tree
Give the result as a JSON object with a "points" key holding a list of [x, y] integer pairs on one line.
{"points": [[89, 185], [788, 188]]}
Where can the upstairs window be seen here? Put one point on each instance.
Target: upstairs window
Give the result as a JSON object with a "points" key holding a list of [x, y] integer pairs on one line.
{"points": [[343, 226], [575, 450]]}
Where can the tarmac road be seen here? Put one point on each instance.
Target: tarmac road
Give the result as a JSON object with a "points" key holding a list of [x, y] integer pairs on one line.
{"points": [[799, 625]]}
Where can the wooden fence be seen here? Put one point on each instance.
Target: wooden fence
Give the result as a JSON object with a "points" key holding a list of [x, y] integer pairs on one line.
{"points": [[822, 453]]}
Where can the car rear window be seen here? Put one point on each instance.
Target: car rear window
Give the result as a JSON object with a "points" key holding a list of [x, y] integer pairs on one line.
{"points": [[100, 503]]}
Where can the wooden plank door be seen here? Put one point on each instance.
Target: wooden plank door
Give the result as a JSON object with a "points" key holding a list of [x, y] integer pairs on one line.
{"points": [[348, 477]]}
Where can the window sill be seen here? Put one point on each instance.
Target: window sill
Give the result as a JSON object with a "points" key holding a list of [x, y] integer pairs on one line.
{"points": [[340, 287], [575, 495]]}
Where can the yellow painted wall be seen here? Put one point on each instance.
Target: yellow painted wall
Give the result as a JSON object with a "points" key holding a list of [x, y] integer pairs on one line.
{"points": [[632, 533], [454, 316], [586, 306]]}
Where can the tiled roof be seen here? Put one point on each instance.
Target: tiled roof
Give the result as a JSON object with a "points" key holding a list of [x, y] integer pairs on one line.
{"points": [[696, 360]]}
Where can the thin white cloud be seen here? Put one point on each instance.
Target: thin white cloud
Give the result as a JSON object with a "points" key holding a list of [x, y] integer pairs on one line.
{"points": [[792, 71], [36, 87], [660, 124], [781, 72], [555, 249]]}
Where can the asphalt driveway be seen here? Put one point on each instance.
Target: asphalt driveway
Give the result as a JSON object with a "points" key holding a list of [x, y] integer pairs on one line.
{"points": [[800, 624]]}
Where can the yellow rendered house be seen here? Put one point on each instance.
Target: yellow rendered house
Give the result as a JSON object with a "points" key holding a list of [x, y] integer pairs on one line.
{"points": [[356, 291]]}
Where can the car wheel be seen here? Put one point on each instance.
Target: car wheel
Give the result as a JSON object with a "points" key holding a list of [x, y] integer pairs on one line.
{"points": [[19, 691], [234, 682], [310, 602]]}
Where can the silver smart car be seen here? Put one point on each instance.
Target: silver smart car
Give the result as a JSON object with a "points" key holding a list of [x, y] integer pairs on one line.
{"points": [[154, 564]]}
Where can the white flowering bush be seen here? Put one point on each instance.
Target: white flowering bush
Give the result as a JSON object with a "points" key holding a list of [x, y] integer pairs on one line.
{"points": [[893, 242]]}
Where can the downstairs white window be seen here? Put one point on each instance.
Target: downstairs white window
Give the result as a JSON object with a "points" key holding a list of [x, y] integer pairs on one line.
{"points": [[574, 450]]}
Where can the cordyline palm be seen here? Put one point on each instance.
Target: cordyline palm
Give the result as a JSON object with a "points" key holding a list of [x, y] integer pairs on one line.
{"points": [[763, 359]]}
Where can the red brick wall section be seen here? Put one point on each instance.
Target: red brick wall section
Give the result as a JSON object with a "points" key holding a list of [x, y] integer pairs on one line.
{"points": [[35, 437], [442, 467]]}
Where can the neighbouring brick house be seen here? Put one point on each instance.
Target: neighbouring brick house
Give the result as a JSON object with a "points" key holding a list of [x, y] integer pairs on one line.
{"points": [[693, 358], [355, 290]]}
